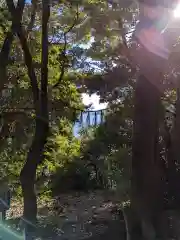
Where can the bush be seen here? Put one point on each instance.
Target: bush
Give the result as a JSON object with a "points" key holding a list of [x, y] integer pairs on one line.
{"points": [[75, 176]]}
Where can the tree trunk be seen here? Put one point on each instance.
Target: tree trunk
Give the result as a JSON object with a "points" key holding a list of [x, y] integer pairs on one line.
{"points": [[40, 98], [147, 176], [28, 174], [174, 156], [173, 176], [132, 224]]}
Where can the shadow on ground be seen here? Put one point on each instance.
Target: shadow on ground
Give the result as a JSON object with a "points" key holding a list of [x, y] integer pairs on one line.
{"points": [[114, 229]]}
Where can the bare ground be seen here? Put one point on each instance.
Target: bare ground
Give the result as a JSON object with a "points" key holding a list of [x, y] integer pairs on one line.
{"points": [[76, 216]]}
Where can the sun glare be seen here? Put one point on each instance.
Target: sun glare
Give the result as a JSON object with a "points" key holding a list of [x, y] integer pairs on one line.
{"points": [[177, 12]]}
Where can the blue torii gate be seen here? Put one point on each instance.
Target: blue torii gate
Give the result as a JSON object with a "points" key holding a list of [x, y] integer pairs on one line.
{"points": [[91, 118]]}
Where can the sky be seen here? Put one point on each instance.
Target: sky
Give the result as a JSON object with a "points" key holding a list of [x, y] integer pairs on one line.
{"points": [[94, 100], [96, 105]]}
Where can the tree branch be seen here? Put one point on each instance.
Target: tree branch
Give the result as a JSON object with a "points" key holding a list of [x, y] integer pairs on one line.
{"points": [[34, 4], [27, 54], [44, 58], [6, 47], [30, 67], [63, 53], [4, 57]]}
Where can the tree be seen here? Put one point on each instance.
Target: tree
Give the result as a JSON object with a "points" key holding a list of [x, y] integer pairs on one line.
{"points": [[150, 194], [47, 48], [39, 84], [147, 106]]}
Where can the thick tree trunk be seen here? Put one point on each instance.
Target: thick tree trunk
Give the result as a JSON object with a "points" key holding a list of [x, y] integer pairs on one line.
{"points": [[147, 176], [28, 173], [174, 157], [132, 224], [35, 155], [173, 176]]}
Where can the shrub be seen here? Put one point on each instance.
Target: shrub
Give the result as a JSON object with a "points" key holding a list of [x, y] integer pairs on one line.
{"points": [[74, 176]]}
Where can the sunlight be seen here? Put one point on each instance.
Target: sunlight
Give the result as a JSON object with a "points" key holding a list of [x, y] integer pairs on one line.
{"points": [[177, 11], [93, 99]]}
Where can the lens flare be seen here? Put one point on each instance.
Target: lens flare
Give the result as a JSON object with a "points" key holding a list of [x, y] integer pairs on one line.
{"points": [[176, 12]]}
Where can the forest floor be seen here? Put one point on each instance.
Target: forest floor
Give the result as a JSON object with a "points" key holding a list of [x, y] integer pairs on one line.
{"points": [[75, 216]]}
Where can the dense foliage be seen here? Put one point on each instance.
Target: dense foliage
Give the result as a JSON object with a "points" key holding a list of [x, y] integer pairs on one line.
{"points": [[53, 51]]}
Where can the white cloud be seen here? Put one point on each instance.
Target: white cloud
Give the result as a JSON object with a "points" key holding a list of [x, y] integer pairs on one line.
{"points": [[94, 100]]}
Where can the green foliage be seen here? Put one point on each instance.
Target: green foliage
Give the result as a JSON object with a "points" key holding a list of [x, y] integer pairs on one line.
{"points": [[108, 147], [73, 176], [17, 113], [118, 172], [63, 168], [86, 40], [62, 146]]}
